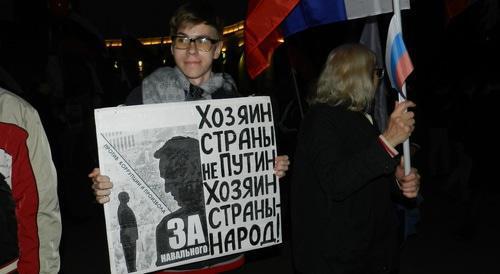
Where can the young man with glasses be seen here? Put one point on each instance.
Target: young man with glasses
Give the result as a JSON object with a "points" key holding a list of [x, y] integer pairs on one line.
{"points": [[196, 34], [196, 42]]}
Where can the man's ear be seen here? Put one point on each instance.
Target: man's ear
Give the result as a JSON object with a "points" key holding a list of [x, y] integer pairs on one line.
{"points": [[218, 49]]}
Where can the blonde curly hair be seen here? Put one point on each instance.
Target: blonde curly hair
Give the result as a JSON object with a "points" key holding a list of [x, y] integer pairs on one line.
{"points": [[347, 78]]}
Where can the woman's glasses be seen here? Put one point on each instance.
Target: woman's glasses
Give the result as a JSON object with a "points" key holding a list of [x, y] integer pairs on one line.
{"points": [[379, 72]]}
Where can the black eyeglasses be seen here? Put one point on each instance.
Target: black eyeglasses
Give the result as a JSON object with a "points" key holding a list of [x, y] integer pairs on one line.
{"points": [[379, 72], [202, 43]]}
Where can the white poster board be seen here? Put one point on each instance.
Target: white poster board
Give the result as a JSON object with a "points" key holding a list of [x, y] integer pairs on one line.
{"points": [[192, 181]]}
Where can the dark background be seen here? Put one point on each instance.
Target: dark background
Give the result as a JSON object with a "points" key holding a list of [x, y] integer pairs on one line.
{"points": [[456, 60]]}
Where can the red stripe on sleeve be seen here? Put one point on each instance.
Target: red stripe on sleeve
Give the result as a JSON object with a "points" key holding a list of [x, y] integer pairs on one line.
{"points": [[25, 194]]}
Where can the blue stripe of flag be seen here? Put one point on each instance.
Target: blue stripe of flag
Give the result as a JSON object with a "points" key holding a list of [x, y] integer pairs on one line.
{"points": [[311, 13], [397, 50]]}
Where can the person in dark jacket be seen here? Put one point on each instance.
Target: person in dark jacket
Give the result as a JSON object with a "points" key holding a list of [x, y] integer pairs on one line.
{"points": [[196, 33], [343, 219]]}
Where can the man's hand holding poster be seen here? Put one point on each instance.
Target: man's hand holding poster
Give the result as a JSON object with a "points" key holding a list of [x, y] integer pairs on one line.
{"points": [[192, 181]]}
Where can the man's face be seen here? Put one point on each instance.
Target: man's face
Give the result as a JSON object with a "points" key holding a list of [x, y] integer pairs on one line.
{"points": [[196, 64]]}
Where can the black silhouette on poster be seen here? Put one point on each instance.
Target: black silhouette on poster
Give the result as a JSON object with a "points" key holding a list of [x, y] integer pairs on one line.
{"points": [[182, 233], [128, 231]]}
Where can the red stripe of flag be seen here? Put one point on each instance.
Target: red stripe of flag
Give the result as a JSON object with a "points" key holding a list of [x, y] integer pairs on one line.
{"points": [[262, 34], [403, 68]]}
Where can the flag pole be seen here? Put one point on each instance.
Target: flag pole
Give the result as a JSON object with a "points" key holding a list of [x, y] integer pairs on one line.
{"points": [[297, 93], [402, 96], [406, 144]]}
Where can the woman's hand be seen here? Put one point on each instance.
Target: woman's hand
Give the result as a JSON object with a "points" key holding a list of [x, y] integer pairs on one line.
{"points": [[401, 123], [408, 184]]}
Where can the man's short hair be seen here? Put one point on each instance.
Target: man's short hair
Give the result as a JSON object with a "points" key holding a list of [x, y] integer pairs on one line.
{"points": [[194, 13]]}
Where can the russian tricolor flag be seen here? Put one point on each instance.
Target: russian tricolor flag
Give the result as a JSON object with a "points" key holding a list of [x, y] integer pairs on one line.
{"points": [[268, 20], [397, 60], [312, 13]]}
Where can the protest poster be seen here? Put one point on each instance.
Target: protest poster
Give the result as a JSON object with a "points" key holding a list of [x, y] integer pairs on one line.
{"points": [[192, 181]]}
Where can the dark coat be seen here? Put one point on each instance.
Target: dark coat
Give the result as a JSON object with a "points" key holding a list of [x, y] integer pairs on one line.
{"points": [[343, 219]]}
